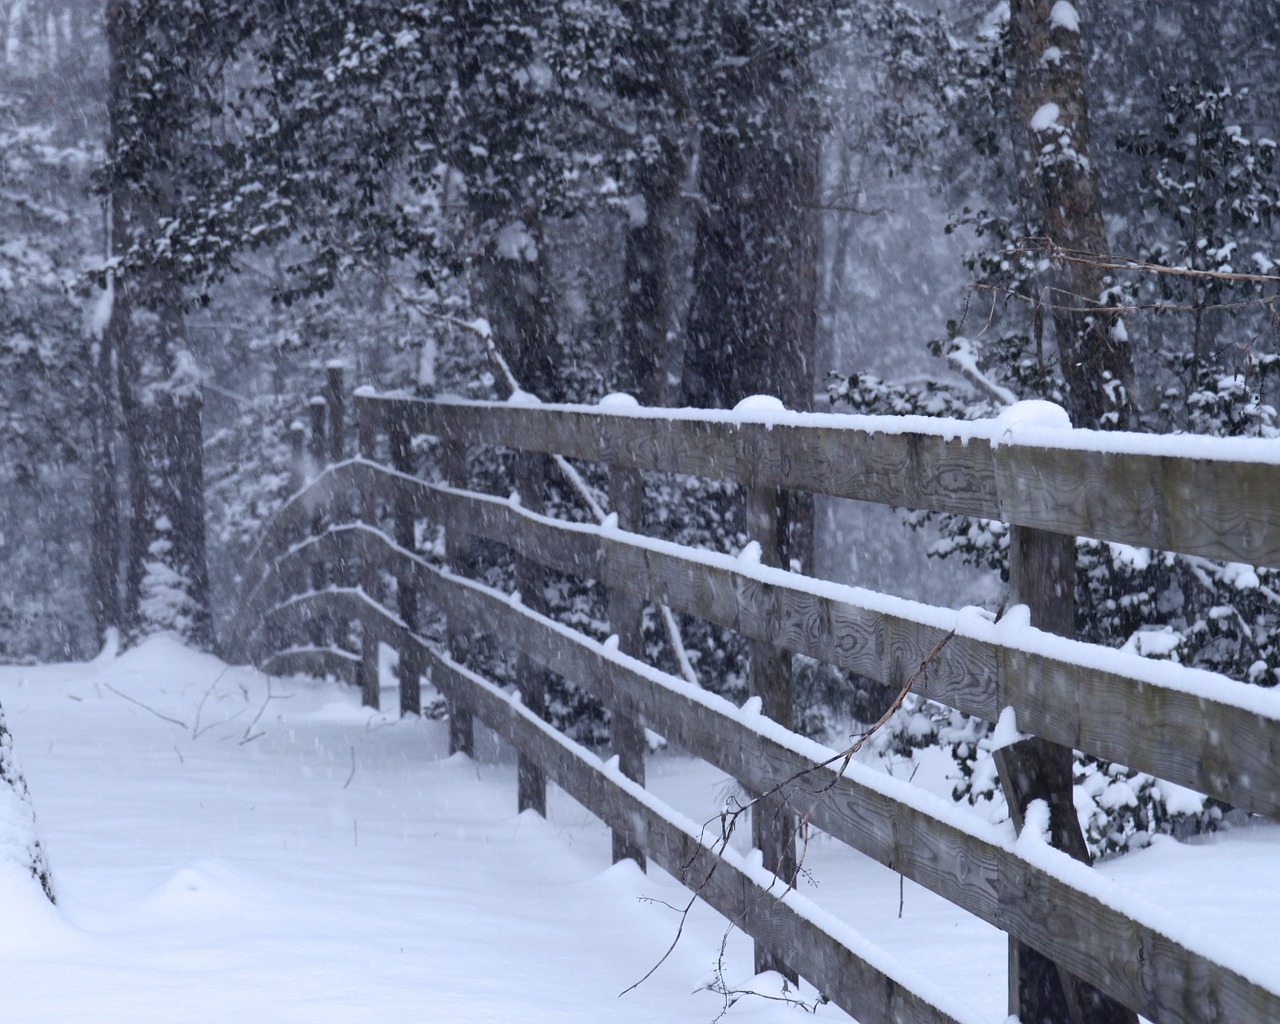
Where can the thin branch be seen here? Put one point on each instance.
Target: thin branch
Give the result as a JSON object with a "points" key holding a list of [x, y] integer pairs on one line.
{"points": [[353, 769], [1105, 261], [730, 817], [146, 707], [1093, 306]]}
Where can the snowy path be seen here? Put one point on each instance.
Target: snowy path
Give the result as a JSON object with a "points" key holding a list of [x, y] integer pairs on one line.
{"points": [[340, 867]]}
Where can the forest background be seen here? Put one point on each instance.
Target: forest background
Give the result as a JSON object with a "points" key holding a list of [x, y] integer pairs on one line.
{"points": [[864, 205]]}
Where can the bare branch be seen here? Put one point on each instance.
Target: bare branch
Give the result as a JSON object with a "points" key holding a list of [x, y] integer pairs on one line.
{"points": [[729, 817], [146, 707]]}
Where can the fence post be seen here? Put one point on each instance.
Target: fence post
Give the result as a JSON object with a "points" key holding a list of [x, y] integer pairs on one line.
{"points": [[370, 569], [626, 620], [772, 827], [336, 399], [531, 785], [297, 456], [318, 408], [411, 661], [453, 458], [1042, 576]]}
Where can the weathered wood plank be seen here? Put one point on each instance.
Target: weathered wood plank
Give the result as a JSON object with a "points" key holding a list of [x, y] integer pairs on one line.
{"points": [[1042, 577], [403, 514], [531, 680], [1210, 745], [1216, 507], [772, 825], [626, 620], [1055, 911], [453, 464], [1104, 946]]}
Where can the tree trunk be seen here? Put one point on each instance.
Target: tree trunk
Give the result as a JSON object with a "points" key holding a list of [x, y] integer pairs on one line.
{"points": [[513, 278], [166, 580], [754, 314], [104, 557], [753, 320], [648, 302], [1097, 365]]}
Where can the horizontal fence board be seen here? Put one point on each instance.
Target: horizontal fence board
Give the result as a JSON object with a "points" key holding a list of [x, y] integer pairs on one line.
{"points": [[314, 661], [1216, 507], [1209, 745], [1132, 961]]}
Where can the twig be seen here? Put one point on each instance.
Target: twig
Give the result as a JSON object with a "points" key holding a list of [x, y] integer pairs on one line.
{"points": [[1094, 306], [353, 769], [1105, 261], [729, 817], [146, 707], [196, 731], [247, 738]]}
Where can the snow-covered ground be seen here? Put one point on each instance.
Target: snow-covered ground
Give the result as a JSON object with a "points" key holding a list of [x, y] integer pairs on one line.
{"points": [[245, 848]]}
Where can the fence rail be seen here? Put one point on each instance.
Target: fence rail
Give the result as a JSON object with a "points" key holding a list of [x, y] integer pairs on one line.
{"points": [[1212, 734]]}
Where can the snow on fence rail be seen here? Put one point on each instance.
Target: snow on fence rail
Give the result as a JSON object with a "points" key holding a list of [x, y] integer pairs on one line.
{"points": [[1082, 949]]}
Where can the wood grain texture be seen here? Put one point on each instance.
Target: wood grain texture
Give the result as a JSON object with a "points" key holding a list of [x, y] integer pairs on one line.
{"points": [[1216, 508], [1208, 745], [1042, 576], [772, 824], [1225, 510], [626, 621], [1131, 961], [1103, 946]]}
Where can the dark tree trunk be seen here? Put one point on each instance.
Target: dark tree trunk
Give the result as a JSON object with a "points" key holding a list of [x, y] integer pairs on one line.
{"points": [[753, 317], [104, 557], [753, 320], [648, 303], [1050, 101], [513, 278], [166, 579]]}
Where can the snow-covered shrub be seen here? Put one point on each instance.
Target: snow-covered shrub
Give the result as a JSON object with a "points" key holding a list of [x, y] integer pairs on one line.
{"points": [[18, 842]]}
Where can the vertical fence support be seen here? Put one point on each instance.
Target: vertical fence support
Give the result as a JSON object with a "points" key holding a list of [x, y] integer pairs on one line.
{"points": [[411, 661], [1042, 576], [772, 827], [531, 481], [297, 456], [453, 458], [626, 620], [370, 569], [335, 398], [318, 408]]}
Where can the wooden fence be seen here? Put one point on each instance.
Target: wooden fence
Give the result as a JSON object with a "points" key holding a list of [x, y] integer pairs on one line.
{"points": [[344, 550]]}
